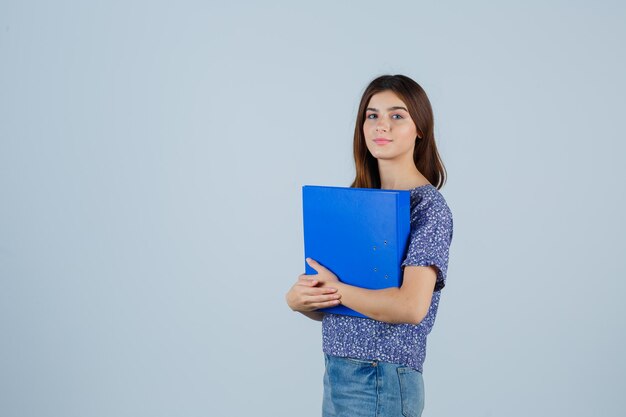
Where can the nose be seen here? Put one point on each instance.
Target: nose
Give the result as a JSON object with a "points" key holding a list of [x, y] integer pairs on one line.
{"points": [[382, 125]]}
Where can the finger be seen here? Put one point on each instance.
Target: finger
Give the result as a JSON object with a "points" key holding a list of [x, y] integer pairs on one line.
{"points": [[311, 283], [315, 265], [305, 276], [321, 291], [325, 298], [326, 304], [307, 282]]}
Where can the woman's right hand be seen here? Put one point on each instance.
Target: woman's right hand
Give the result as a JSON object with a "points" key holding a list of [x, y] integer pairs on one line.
{"points": [[305, 296]]}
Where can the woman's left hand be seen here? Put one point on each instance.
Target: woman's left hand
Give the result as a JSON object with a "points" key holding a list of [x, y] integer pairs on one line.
{"points": [[324, 276]]}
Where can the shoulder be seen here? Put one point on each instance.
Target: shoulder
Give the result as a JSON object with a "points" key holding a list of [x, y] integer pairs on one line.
{"points": [[427, 203], [431, 231]]}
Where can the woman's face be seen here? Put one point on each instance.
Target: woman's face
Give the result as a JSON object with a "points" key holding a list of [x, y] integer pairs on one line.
{"points": [[389, 130]]}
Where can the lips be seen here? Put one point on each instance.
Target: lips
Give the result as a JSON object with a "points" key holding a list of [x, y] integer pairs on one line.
{"points": [[382, 141]]}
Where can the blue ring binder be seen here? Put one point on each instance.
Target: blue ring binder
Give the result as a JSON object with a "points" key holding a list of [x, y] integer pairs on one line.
{"points": [[360, 234]]}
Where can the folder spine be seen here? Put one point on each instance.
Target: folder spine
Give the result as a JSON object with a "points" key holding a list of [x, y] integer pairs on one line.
{"points": [[404, 228]]}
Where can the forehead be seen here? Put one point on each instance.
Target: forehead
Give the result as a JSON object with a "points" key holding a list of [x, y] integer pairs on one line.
{"points": [[384, 100]]}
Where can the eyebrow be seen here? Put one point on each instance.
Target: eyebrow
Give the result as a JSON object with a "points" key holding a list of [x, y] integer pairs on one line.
{"points": [[389, 109]]}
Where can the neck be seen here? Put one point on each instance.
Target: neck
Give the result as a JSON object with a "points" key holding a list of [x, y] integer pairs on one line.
{"points": [[400, 175]]}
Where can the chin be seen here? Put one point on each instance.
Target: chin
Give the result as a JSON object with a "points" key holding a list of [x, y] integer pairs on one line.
{"points": [[384, 157]]}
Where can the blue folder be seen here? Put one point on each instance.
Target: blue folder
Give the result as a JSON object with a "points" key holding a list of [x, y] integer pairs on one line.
{"points": [[360, 234]]}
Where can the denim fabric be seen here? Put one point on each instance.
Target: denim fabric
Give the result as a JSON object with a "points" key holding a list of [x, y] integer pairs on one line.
{"points": [[371, 388]]}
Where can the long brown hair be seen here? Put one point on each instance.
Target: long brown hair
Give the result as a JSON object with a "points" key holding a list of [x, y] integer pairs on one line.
{"points": [[425, 155]]}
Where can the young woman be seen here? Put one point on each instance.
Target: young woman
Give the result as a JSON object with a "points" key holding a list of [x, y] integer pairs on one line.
{"points": [[374, 365]]}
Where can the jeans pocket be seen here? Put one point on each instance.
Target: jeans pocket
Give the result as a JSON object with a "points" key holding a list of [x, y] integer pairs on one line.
{"points": [[411, 391]]}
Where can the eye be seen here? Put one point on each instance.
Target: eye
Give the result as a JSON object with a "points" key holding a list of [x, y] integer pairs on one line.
{"points": [[372, 116], [399, 116]]}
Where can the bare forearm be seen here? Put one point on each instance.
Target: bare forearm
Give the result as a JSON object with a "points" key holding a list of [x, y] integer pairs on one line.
{"points": [[386, 305], [314, 315]]}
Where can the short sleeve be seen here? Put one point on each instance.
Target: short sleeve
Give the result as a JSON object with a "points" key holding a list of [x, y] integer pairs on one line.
{"points": [[430, 239]]}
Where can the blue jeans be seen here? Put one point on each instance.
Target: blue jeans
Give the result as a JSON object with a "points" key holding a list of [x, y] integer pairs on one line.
{"points": [[371, 388]]}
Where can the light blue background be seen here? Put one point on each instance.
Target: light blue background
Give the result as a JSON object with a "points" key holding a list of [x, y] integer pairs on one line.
{"points": [[151, 159]]}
